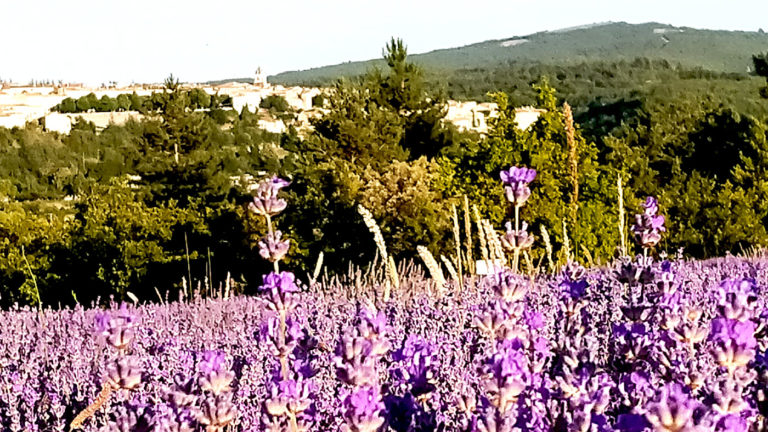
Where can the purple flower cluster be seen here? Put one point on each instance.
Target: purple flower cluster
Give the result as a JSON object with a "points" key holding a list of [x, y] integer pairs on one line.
{"points": [[266, 204], [516, 181], [516, 239], [357, 356], [648, 225], [289, 405], [583, 350]]}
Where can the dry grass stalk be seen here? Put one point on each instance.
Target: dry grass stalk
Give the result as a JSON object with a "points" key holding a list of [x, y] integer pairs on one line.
{"points": [[101, 399], [573, 161], [480, 234], [620, 188], [457, 240], [548, 246], [393, 276], [590, 261], [159, 296], [494, 243], [318, 267], [449, 266], [566, 243], [529, 263], [468, 237], [374, 228], [432, 266], [378, 238], [227, 286]]}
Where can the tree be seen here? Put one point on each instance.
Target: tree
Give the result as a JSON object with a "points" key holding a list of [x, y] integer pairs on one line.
{"points": [[84, 103], [68, 105], [106, 104], [123, 102], [275, 103], [761, 69], [198, 98], [137, 103]]}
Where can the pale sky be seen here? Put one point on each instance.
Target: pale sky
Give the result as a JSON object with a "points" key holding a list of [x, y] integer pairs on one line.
{"points": [[96, 41]]}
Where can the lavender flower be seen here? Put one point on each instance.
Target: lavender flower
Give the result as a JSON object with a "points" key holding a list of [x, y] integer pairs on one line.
{"points": [[733, 342], [737, 299], [265, 202], [280, 289], [214, 375], [673, 410], [648, 225], [516, 180], [517, 240], [272, 247], [363, 410], [118, 330], [506, 375], [124, 373], [216, 412]]}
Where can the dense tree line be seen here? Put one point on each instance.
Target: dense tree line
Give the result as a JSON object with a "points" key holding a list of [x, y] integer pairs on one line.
{"points": [[198, 99], [140, 207]]}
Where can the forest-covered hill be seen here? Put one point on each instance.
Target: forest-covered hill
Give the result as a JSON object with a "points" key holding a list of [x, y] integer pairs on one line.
{"points": [[714, 50]]}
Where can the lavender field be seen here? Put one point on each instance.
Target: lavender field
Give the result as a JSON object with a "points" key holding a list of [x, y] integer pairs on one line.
{"points": [[570, 351], [642, 344]]}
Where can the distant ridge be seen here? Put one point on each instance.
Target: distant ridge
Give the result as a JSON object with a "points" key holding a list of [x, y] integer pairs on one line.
{"points": [[715, 50]]}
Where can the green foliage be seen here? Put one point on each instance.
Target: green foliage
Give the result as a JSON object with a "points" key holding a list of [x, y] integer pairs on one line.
{"points": [[29, 235], [707, 163], [543, 147], [123, 102], [372, 146], [712, 50], [122, 244], [275, 103], [318, 100], [68, 105]]}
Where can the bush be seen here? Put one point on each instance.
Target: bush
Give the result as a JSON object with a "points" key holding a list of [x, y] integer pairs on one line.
{"points": [[275, 103]]}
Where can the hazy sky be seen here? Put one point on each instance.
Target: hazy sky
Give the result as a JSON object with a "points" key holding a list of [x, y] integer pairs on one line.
{"points": [[144, 40]]}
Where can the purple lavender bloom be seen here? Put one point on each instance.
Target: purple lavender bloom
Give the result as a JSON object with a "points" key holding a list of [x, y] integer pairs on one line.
{"points": [[634, 341], [516, 180], [355, 361], [363, 410], [673, 410], [272, 247], [215, 377], [573, 282], [507, 285], [132, 418], [733, 342], [499, 320], [124, 373], [269, 332], [651, 205], [517, 239], [265, 202], [648, 225], [507, 375], [280, 289], [292, 399], [631, 423], [421, 363], [118, 330], [216, 412], [737, 299], [732, 423]]}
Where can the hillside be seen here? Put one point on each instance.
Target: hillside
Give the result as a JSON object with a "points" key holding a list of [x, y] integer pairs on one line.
{"points": [[718, 51]]}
